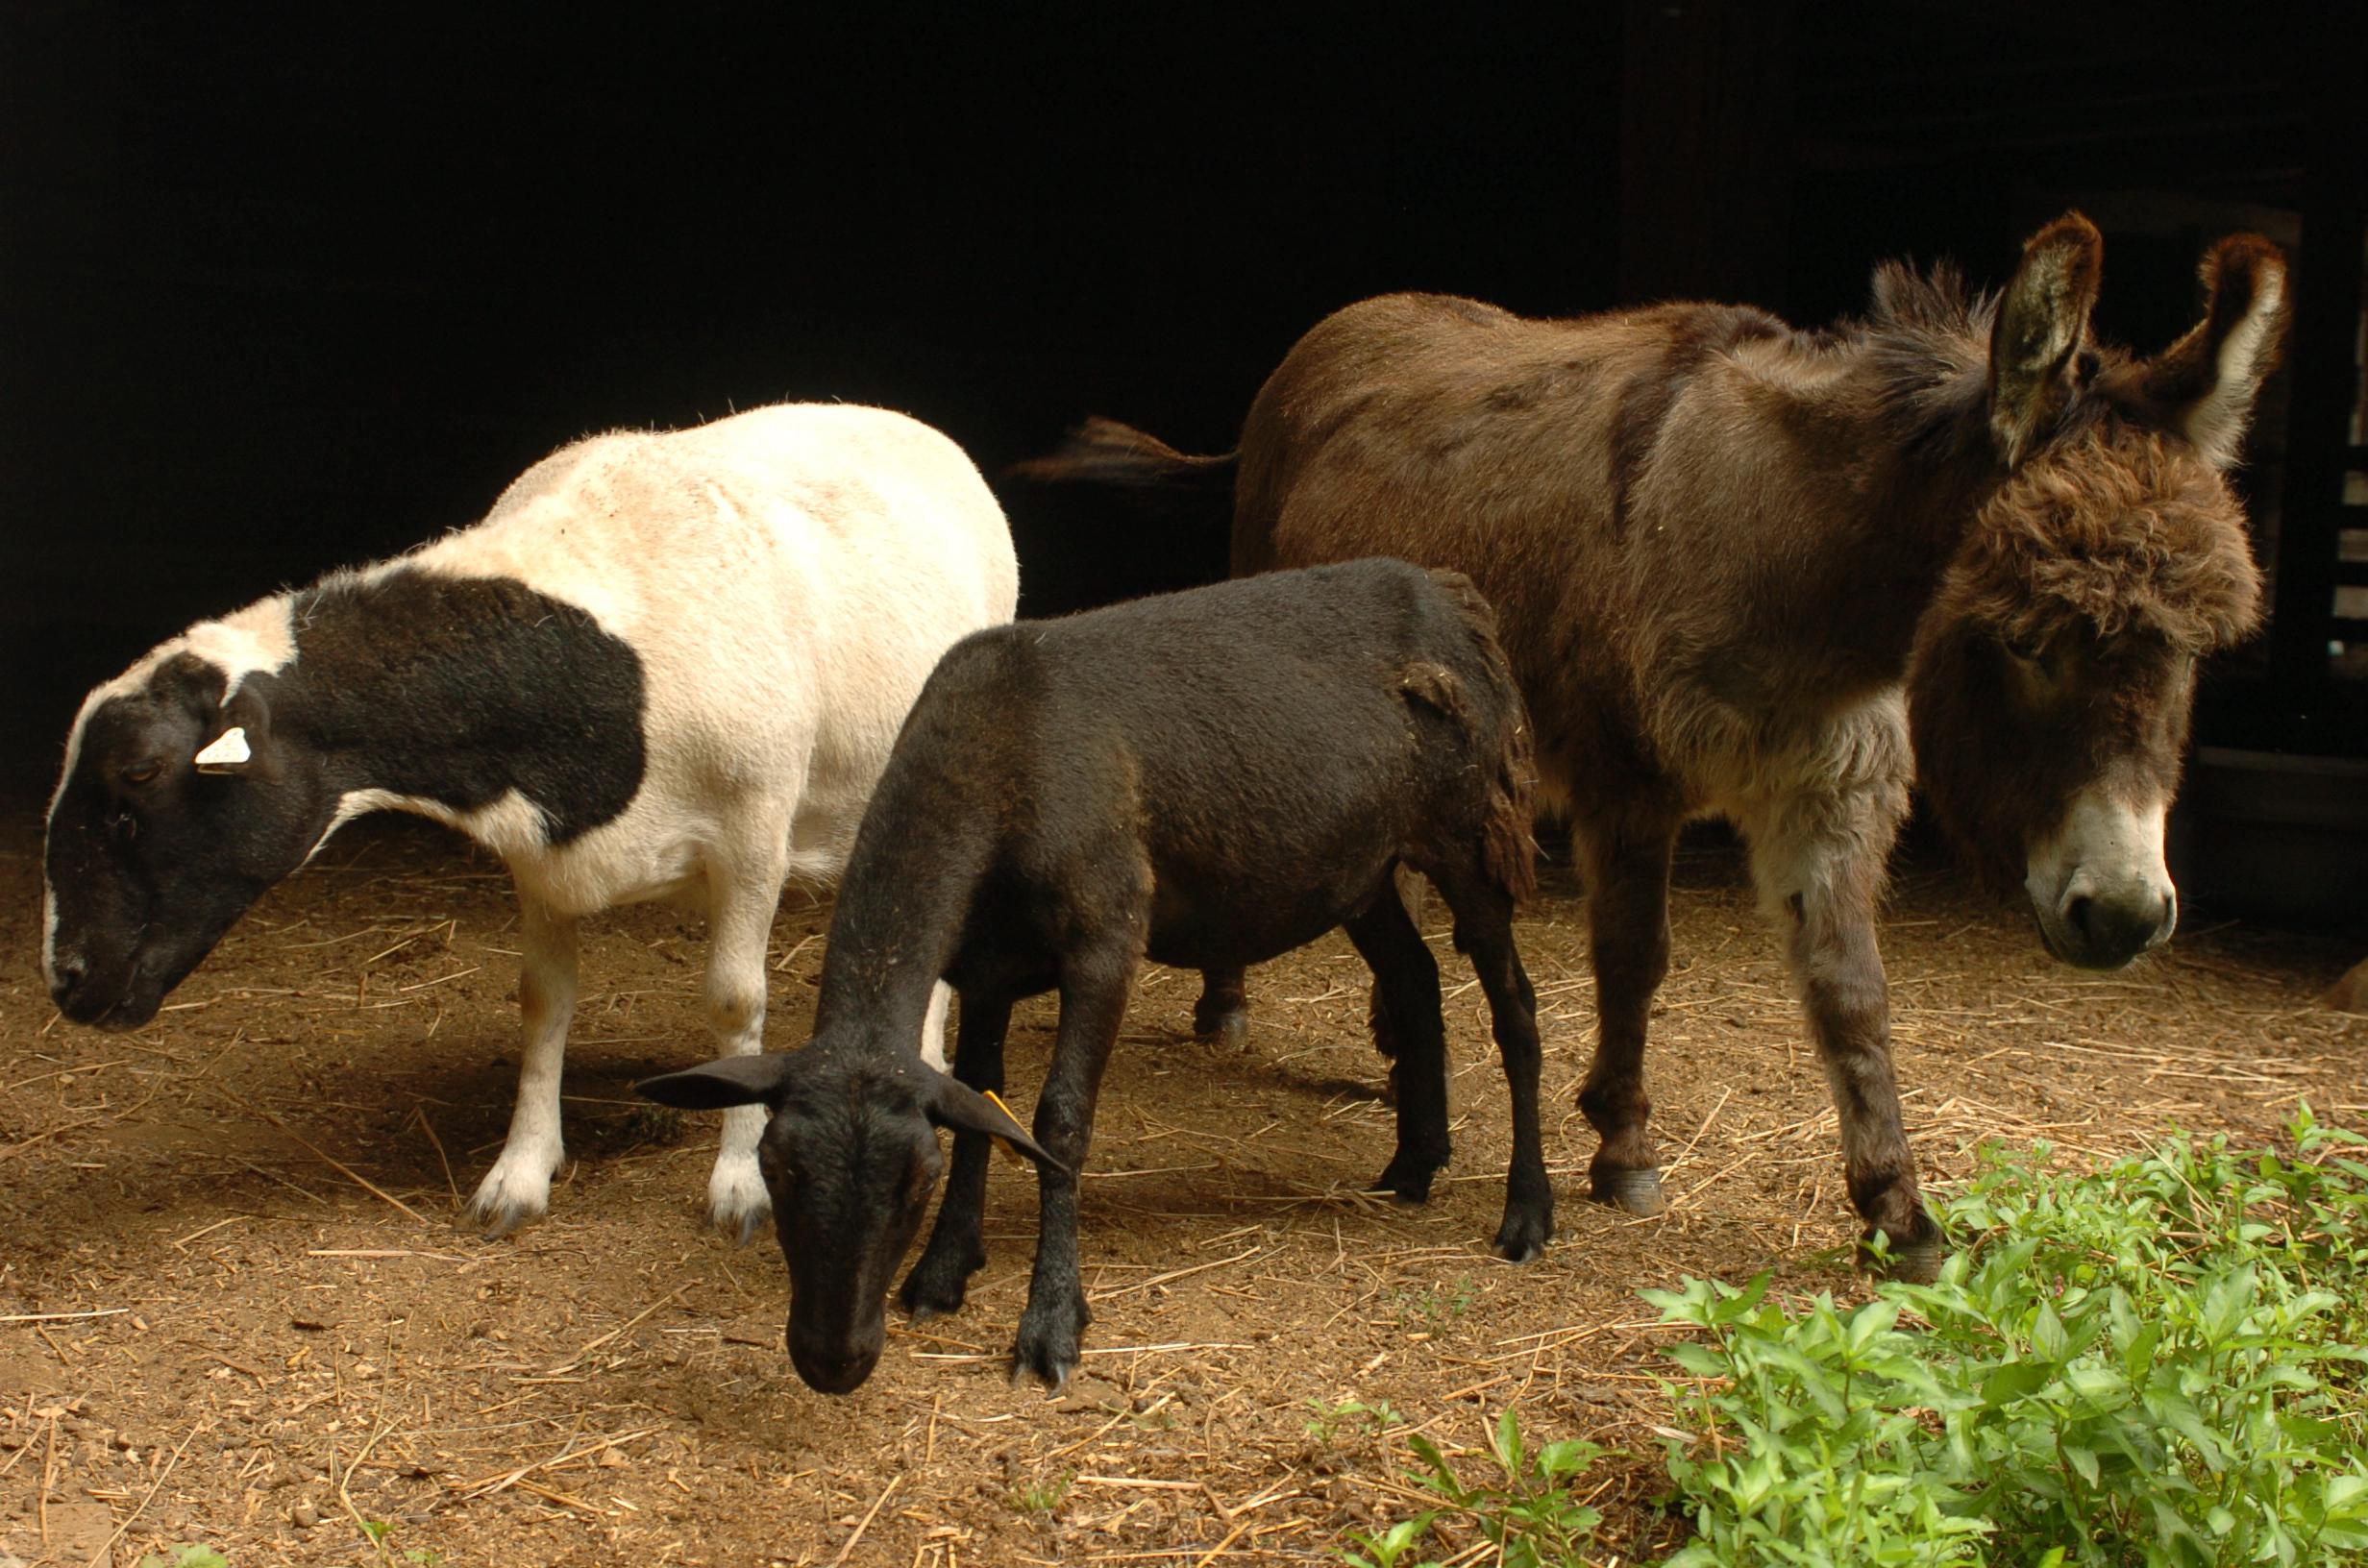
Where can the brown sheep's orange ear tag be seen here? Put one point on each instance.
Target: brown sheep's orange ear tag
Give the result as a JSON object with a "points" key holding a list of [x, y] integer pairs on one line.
{"points": [[1003, 1143]]}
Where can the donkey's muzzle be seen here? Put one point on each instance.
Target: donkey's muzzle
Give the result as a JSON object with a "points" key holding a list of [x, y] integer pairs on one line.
{"points": [[2105, 931]]}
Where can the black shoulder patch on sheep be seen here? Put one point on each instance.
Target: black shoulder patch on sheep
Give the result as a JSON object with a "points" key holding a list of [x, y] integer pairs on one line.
{"points": [[420, 672]]}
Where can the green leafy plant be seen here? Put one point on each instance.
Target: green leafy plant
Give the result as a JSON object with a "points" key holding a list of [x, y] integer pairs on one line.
{"points": [[1433, 1306], [1526, 1508], [1039, 1498], [2156, 1363], [1387, 1546], [1330, 1418]]}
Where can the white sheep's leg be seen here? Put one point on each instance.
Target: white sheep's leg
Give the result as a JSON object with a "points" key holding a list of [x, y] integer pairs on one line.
{"points": [[933, 1027], [745, 890], [517, 1189]]}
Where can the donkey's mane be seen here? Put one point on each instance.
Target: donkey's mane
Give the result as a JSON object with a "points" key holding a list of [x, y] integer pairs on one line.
{"points": [[2113, 530], [1928, 342], [2122, 534]]}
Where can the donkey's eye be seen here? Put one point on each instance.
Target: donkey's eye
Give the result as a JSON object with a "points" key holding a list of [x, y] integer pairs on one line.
{"points": [[2029, 653], [143, 773]]}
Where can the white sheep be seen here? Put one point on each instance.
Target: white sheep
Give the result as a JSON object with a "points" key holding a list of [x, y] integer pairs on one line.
{"points": [[665, 666]]}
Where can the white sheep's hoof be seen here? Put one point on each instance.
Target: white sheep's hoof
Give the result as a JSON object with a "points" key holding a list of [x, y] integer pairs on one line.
{"points": [[516, 1191], [738, 1202]]}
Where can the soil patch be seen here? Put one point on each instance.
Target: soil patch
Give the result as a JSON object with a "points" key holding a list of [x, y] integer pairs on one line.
{"points": [[234, 1309]]}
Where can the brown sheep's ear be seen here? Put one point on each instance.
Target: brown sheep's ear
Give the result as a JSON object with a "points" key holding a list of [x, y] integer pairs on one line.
{"points": [[2209, 378], [725, 1082], [955, 1104], [2043, 325]]}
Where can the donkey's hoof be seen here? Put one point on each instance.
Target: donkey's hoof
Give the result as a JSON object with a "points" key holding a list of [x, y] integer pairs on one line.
{"points": [[1915, 1261], [1229, 1027], [1634, 1191]]}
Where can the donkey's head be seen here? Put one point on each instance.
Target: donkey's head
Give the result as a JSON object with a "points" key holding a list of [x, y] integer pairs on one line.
{"points": [[2055, 667]]}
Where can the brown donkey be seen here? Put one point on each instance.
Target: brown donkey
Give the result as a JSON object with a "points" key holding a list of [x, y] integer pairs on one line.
{"points": [[1737, 566]]}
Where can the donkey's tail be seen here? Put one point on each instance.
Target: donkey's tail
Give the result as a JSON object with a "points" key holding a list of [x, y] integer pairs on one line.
{"points": [[1104, 451], [1501, 732]]}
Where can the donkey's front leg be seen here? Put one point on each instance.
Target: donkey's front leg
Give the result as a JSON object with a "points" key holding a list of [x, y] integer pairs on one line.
{"points": [[1822, 889], [1094, 992], [517, 1189], [1628, 928]]}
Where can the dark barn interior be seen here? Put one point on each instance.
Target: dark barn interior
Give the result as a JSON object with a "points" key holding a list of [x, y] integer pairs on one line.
{"points": [[286, 288]]}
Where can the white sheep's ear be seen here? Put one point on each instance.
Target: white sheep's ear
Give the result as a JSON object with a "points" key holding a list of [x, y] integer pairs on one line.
{"points": [[227, 752]]}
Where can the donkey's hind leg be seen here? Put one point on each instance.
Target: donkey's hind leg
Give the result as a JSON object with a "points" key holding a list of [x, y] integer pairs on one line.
{"points": [[1407, 976], [1222, 1012], [1484, 932], [1627, 868]]}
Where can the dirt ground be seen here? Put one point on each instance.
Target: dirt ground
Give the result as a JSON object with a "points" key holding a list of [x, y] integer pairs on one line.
{"points": [[234, 1309]]}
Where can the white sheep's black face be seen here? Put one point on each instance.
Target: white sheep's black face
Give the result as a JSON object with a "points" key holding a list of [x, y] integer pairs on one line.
{"points": [[165, 828]]}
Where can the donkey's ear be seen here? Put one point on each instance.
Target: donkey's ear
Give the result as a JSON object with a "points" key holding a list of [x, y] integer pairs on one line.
{"points": [[2208, 379], [953, 1103], [728, 1081], [2043, 325]]}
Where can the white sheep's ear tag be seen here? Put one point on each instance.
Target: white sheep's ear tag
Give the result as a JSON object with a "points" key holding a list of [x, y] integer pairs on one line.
{"points": [[226, 753]]}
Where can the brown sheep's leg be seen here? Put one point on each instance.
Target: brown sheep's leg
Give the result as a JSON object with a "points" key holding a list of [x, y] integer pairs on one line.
{"points": [[956, 1250], [1095, 986], [1409, 888], [1628, 920], [1407, 976], [1484, 931]]}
